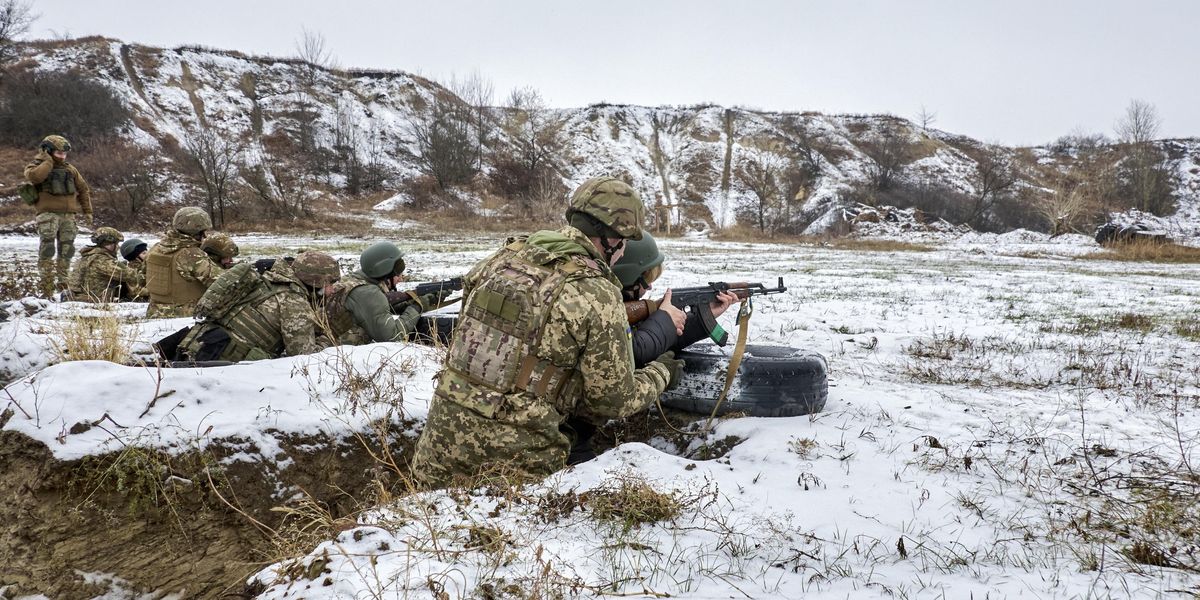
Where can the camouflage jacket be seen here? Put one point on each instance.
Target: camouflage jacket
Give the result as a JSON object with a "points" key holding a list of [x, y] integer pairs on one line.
{"points": [[98, 277], [177, 273], [77, 199], [281, 324], [584, 338]]}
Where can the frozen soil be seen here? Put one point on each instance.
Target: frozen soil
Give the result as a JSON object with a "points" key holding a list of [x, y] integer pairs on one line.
{"points": [[1004, 420]]}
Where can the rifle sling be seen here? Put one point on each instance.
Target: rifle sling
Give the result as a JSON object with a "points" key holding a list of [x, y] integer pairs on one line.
{"points": [[735, 362]]}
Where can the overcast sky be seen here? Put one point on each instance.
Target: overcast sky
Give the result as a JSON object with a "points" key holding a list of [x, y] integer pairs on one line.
{"points": [[1014, 71]]}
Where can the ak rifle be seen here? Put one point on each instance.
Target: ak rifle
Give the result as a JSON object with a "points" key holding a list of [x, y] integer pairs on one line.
{"points": [[399, 300], [698, 299]]}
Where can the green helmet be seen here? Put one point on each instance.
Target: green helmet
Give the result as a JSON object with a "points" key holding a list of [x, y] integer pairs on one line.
{"points": [[106, 235], [131, 248], [381, 259], [316, 269], [640, 256], [191, 220], [55, 142], [613, 203], [220, 245]]}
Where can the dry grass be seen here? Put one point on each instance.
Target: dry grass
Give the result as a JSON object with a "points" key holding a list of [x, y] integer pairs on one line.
{"points": [[1147, 252], [93, 338], [630, 501]]}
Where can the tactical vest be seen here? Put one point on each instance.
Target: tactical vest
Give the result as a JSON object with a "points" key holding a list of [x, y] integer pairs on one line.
{"points": [[499, 332], [60, 182], [85, 286], [338, 320], [249, 329], [163, 281]]}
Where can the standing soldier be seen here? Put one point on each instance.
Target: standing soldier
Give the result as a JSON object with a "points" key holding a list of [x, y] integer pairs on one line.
{"points": [[358, 312], [220, 248], [61, 192], [542, 337], [248, 316], [177, 270], [98, 277]]}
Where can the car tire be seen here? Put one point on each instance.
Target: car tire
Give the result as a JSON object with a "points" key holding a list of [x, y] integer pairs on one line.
{"points": [[772, 381]]}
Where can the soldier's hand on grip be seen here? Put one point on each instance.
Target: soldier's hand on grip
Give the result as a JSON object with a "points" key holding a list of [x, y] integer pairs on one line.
{"points": [[673, 365], [430, 301]]}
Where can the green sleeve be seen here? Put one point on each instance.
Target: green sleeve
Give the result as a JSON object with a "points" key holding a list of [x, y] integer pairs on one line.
{"points": [[371, 311]]}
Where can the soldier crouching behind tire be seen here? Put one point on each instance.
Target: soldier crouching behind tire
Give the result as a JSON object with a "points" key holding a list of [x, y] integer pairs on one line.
{"points": [[358, 311], [542, 337], [248, 316]]}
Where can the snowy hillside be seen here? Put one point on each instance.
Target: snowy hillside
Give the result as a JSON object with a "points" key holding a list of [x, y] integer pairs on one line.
{"points": [[700, 162]]}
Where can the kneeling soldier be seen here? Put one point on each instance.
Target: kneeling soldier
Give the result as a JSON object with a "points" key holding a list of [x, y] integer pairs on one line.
{"points": [[98, 277], [358, 311]]}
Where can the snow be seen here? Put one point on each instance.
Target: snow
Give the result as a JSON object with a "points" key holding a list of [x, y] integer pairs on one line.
{"points": [[968, 398]]}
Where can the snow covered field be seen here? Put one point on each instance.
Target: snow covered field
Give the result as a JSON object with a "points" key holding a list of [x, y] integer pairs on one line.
{"points": [[1004, 420]]}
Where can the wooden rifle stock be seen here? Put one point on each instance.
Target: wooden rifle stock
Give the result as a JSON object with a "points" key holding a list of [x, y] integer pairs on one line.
{"points": [[637, 311]]}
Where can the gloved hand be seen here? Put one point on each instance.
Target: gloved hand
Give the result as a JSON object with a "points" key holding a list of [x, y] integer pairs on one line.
{"points": [[674, 367], [409, 317], [431, 300]]}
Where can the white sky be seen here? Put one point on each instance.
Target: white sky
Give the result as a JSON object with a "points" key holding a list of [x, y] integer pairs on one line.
{"points": [[1014, 71]]}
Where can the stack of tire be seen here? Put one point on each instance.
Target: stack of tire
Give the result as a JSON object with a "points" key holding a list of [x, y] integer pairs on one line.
{"points": [[1111, 234]]}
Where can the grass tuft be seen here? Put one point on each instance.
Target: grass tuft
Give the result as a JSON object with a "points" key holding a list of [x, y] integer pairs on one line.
{"points": [[631, 501], [1147, 252], [93, 338]]}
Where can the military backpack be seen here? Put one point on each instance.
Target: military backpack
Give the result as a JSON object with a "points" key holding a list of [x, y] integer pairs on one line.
{"points": [[239, 285]]}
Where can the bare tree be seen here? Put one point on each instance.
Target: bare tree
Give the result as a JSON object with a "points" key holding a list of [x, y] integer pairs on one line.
{"points": [[477, 92], [213, 161], [760, 171], [889, 151], [994, 176], [669, 143], [446, 142], [1063, 206], [926, 118], [1144, 175], [16, 17]]}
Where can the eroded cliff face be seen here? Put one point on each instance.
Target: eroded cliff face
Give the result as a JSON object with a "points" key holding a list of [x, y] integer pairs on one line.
{"points": [[140, 521]]}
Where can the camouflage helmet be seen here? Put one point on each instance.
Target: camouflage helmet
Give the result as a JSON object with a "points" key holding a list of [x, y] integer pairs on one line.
{"points": [[52, 143], [106, 235], [220, 245], [191, 220], [131, 248], [613, 203], [316, 269], [640, 256], [381, 259]]}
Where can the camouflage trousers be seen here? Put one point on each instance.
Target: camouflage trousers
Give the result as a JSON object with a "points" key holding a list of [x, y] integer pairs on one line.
{"points": [[56, 247]]}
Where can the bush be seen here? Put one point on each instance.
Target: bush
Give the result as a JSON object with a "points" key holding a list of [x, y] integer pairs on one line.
{"points": [[34, 105]]}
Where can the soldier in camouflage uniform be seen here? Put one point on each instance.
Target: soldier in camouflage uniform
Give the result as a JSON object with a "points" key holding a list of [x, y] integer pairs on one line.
{"points": [[358, 312], [542, 336], [272, 316], [220, 248], [177, 270], [98, 277], [61, 192]]}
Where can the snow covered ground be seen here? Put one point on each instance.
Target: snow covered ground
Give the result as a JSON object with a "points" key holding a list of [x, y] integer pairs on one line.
{"points": [[1004, 420]]}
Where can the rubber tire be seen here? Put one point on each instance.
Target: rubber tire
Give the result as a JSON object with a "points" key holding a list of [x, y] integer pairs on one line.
{"points": [[772, 381]]}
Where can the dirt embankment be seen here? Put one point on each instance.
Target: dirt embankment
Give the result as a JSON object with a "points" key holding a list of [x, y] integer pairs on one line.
{"points": [[156, 521]]}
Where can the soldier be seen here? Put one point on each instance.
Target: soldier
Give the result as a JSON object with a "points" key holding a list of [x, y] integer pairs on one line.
{"points": [[248, 316], [220, 248], [542, 336], [98, 277], [668, 328], [177, 270], [61, 192], [358, 312], [134, 252]]}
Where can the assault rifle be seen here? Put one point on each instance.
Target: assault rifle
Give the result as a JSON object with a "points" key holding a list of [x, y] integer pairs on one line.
{"points": [[698, 299], [400, 300]]}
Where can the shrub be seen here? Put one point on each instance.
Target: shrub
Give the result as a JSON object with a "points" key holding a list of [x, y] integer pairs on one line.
{"points": [[35, 105]]}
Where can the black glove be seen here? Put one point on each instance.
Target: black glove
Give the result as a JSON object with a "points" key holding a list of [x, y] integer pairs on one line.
{"points": [[674, 367]]}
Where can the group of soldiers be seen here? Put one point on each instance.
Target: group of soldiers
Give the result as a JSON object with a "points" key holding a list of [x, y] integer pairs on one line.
{"points": [[541, 355]]}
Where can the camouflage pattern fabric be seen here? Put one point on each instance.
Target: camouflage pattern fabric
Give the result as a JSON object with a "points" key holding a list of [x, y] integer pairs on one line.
{"points": [[612, 202], [472, 428], [56, 247], [177, 273], [98, 277], [282, 323]]}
